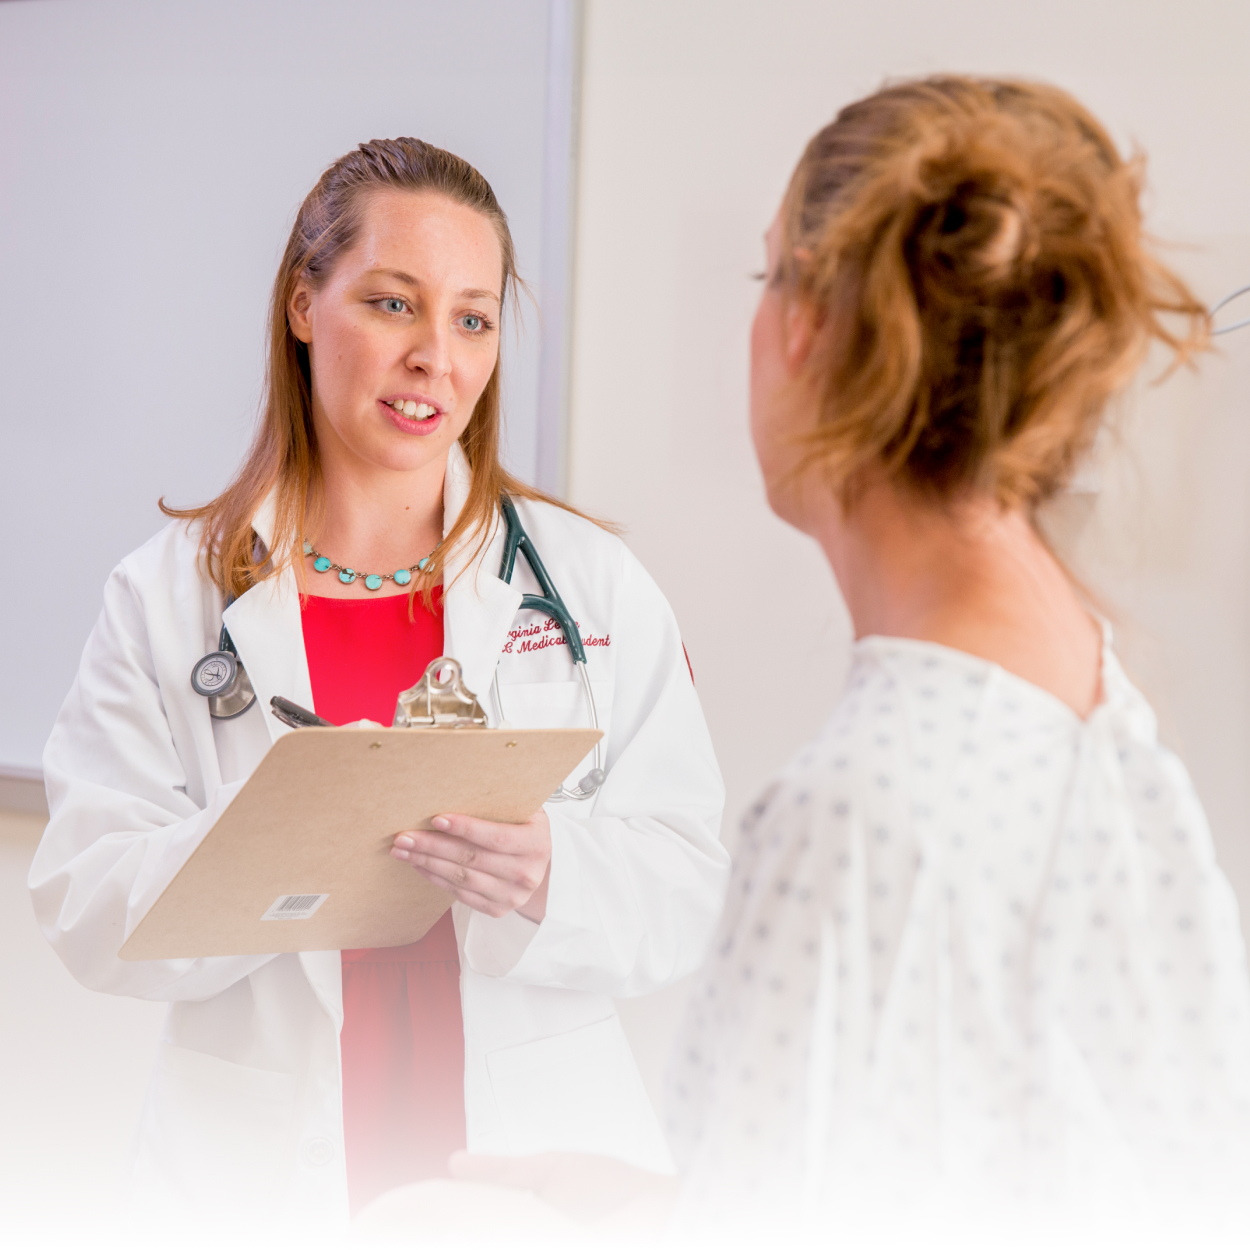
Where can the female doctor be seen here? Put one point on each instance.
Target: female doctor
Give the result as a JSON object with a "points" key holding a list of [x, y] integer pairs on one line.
{"points": [[301, 1085]]}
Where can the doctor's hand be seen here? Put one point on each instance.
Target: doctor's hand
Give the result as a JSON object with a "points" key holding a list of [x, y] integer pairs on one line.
{"points": [[491, 867]]}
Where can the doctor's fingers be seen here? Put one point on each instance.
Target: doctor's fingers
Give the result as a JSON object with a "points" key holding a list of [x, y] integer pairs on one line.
{"points": [[498, 899], [500, 876], [422, 847], [534, 834]]}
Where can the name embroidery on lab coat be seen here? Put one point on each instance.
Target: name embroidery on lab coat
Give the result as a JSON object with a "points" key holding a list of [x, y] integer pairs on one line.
{"points": [[541, 635]]}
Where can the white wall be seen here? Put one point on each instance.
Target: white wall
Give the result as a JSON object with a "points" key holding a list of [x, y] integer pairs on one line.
{"points": [[153, 157], [694, 113], [74, 1064]]}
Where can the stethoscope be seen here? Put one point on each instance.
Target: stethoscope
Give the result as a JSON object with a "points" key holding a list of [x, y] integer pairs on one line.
{"points": [[1228, 299], [221, 678], [550, 604]]}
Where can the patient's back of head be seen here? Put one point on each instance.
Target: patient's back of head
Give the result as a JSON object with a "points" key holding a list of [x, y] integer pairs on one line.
{"points": [[973, 257], [976, 252]]}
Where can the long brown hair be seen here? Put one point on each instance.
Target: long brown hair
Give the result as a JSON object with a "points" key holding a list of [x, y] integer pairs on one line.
{"points": [[283, 457], [974, 252]]}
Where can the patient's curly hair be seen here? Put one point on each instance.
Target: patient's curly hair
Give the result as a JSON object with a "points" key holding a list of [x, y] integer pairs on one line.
{"points": [[975, 256]]}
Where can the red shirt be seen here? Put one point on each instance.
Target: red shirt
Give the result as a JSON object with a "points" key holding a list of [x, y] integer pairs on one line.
{"points": [[403, 1034]]}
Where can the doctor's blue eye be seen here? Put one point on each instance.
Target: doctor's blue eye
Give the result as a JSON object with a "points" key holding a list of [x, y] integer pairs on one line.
{"points": [[393, 305], [473, 323]]}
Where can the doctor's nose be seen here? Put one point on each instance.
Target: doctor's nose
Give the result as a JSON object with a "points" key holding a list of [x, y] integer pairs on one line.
{"points": [[430, 352]]}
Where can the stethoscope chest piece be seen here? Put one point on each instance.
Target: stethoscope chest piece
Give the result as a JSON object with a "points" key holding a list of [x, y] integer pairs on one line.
{"points": [[214, 673], [221, 678]]}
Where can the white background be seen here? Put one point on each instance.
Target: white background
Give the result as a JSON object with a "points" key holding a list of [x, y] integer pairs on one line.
{"points": [[152, 158], [694, 114]]}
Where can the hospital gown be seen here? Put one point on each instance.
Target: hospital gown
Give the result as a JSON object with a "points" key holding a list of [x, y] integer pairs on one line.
{"points": [[973, 944]]}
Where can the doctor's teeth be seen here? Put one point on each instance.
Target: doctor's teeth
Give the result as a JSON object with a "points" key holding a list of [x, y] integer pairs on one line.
{"points": [[410, 408]]}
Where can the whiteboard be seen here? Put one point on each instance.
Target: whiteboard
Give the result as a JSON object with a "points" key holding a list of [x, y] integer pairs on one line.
{"points": [[154, 155]]}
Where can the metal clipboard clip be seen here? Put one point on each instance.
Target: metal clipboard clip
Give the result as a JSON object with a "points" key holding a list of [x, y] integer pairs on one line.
{"points": [[440, 700]]}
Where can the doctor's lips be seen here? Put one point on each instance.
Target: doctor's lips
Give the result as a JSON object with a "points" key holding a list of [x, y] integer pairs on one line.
{"points": [[412, 407]]}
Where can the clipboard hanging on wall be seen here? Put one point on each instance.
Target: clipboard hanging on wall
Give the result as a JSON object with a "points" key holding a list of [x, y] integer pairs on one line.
{"points": [[300, 860]]}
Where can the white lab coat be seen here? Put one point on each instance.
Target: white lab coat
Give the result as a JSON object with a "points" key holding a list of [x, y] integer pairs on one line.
{"points": [[244, 1112]]}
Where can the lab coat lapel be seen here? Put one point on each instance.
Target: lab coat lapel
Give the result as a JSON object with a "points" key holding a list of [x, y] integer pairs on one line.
{"points": [[268, 633], [478, 607]]}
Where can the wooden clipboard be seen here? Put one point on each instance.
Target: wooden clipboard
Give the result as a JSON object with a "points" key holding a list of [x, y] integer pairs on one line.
{"points": [[300, 860]]}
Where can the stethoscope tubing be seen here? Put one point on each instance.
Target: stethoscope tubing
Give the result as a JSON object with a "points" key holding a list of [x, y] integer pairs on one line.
{"points": [[591, 782], [1228, 299], [516, 540], [234, 697], [549, 602]]}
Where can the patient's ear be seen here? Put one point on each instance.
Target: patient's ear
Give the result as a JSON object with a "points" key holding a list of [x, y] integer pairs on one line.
{"points": [[800, 334], [801, 321]]}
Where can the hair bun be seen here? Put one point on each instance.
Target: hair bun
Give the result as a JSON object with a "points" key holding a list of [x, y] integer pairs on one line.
{"points": [[978, 246], [975, 238], [971, 232]]}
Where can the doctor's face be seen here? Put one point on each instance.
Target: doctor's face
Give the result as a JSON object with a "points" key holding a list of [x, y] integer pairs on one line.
{"points": [[404, 333]]}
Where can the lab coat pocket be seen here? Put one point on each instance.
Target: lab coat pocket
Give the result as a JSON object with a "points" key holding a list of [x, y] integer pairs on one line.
{"points": [[577, 1091], [556, 704], [211, 1129]]}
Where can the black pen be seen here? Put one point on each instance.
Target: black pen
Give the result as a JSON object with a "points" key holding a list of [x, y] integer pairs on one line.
{"points": [[297, 717]]}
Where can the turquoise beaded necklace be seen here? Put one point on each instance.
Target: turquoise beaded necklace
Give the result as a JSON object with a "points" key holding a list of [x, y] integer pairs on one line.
{"points": [[373, 581]]}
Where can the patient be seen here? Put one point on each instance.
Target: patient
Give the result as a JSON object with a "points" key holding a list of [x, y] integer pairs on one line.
{"points": [[977, 938], [977, 944]]}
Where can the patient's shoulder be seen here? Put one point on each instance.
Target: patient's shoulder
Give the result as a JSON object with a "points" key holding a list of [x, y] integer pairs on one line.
{"points": [[847, 783]]}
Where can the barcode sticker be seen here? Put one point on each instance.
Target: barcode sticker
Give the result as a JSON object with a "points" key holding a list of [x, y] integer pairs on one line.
{"points": [[294, 906]]}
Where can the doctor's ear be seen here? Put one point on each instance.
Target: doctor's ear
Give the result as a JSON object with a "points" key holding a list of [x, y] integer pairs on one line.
{"points": [[297, 313]]}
